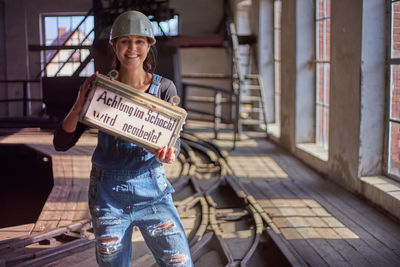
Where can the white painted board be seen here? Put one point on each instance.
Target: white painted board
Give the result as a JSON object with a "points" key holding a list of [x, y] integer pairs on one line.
{"points": [[132, 115]]}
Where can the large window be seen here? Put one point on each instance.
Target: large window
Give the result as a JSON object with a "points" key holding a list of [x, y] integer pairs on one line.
{"points": [[323, 40], [64, 31], [394, 95], [277, 59], [169, 27]]}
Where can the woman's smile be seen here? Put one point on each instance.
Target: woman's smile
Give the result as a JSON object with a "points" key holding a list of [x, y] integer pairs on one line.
{"points": [[132, 56]]}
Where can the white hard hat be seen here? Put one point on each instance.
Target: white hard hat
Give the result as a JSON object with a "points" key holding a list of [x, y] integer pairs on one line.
{"points": [[132, 23]]}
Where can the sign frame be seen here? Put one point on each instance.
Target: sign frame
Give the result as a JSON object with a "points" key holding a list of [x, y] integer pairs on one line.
{"points": [[145, 100]]}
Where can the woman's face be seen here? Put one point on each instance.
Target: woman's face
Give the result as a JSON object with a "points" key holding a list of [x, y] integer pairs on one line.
{"points": [[131, 50]]}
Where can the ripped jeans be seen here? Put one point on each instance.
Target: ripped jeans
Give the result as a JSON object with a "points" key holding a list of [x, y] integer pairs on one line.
{"points": [[119, 200]]}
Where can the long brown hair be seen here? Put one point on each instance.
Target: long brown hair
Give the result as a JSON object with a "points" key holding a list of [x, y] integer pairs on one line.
{"points": [[149, 64]]}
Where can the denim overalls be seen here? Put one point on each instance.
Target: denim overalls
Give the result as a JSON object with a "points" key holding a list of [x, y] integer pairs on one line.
{"points": [[128, 187]]}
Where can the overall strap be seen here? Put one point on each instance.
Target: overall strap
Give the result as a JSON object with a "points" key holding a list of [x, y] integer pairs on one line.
{"points": [[155, 85]]}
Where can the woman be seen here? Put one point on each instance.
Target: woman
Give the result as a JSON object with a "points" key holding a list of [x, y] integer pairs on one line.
{"points": [[128, 186]]}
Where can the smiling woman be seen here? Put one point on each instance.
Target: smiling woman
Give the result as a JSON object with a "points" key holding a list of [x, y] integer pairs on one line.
{"points": [[128, 184]]}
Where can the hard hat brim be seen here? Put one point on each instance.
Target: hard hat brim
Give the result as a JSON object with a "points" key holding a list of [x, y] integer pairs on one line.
{"points": [[152, 41]]}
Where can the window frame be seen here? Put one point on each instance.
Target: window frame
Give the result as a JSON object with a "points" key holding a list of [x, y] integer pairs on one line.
{"points": [[277, 45], [44, 64], [316, 64], [388, 102]]}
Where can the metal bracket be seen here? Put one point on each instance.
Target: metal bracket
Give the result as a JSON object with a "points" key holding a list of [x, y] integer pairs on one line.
{"points": [[175, 100], [113, 74]]}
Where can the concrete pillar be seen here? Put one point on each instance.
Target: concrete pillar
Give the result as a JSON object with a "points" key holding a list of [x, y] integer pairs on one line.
{"points": [[17, 52], [345, 100], [263, 28], [373, 88], [288, 70], [3, 88], [298, 82], [305, 82]]}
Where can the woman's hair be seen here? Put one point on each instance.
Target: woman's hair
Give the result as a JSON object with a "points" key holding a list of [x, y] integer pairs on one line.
{"points": [[149, 64]]}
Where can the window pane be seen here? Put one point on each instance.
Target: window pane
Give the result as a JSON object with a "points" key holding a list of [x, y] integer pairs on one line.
{"points": [[76, 20], [323, 9], [88, 70], [395, 30], [50, 30], [320, 121], [322, 68], [395, 92], [169, 27], [64, 28], [277, 58], [277, 92], [394, 149], [322, 131], [323, 38], [393, 146], [52, 69]]}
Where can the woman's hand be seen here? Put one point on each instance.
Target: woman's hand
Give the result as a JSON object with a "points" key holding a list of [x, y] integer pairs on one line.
{"points": [[165, 155], [71, 120], [82, 94]]}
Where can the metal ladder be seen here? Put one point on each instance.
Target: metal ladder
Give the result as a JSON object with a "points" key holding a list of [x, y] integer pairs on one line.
{"points": [[247, 83]]}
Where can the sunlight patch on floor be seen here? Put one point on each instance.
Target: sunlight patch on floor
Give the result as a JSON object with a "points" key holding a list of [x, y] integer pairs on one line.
{"points": [[305, 219], [256, 167]]}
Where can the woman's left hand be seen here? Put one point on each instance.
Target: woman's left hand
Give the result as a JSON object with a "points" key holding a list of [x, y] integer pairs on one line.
{"points": [[166, 155]]}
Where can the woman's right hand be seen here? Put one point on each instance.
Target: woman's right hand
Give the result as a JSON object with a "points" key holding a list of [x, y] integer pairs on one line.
{"points": [[71, 120], [82, 94]]}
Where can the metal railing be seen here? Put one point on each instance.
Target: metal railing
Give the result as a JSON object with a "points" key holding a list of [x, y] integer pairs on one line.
{"points": [[217, 101], [24, 99]]}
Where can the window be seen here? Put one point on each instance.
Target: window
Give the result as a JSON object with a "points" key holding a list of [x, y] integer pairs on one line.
{"points": [[169, 27], [322, 67], [64, 30], [277, 59], [393, 164]]}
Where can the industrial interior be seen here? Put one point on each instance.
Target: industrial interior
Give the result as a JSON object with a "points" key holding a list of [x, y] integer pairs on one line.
{"points": [[290, 153]]}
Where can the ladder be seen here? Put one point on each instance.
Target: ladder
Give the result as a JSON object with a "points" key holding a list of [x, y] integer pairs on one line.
{"points": [[247, 83]]}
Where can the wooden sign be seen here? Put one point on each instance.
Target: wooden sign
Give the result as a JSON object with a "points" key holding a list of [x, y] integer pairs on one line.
{"points": [[122, 111]]}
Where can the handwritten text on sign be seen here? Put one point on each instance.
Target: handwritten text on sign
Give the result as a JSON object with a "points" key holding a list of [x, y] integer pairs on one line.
{"points": [[130, 119]]}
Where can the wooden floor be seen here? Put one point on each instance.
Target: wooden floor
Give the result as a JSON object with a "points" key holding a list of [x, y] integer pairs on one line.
{"points": [[321, 222]]}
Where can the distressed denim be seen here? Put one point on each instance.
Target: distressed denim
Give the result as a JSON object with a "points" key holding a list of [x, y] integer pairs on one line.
{"points": [[119, 200]]}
